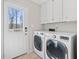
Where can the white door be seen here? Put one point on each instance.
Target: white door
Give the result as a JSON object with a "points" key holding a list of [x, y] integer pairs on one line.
{"points": [[69, 10], [15, 42]]}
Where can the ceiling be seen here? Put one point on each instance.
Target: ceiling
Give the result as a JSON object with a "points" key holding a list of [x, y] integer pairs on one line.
{"points": [[39, 1]]}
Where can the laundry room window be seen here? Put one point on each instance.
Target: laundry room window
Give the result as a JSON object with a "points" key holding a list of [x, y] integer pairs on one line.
{"points": [[15, 18]]}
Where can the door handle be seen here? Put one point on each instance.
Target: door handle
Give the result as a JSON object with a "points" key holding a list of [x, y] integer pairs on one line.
{"points": [[25, 33]]}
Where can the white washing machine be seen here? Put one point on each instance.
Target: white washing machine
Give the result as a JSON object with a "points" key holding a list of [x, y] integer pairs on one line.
{"points": [[39, 39], [60, 45]]}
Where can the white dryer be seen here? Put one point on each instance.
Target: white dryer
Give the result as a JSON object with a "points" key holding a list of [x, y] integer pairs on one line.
{"points": [[60, 45], [39, 39]]}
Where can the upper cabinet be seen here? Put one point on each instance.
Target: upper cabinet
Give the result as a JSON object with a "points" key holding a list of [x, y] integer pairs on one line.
{"points": [[69, 10], [47, 12], [51, 11], [58, 11]]}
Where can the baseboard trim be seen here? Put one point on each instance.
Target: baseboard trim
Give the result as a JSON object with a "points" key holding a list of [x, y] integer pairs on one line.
{"points": [[19, 55]]}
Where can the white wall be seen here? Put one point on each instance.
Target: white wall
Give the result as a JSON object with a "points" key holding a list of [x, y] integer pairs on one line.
{"points": [[65, 27], [2, 30], [16, 43], [34, 22]]}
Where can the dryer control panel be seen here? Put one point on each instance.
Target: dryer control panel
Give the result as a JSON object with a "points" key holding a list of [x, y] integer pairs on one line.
{"points": [[64, 37]]}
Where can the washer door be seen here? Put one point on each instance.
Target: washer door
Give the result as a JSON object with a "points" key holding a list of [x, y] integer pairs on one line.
{"points": [[38, 42], [55, 49]]}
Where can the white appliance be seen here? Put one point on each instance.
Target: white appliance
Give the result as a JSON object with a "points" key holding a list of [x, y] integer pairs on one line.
{"points": [[39, 39], [60, 45]]}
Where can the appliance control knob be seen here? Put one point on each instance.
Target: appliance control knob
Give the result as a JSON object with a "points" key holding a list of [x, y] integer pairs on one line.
{"points": [[54, 36], [42, 33]]}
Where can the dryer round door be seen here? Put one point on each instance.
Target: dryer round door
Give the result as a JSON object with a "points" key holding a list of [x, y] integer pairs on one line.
{"points": [[56, 50], [38, 42]]}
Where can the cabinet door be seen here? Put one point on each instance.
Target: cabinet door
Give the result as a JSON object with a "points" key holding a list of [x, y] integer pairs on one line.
{"points": [[43, 13], [58, 10], [69, 10], [50, 11], [47, 12]]}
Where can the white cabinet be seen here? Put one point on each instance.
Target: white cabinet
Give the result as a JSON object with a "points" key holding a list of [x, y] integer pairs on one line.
{"points": [[69, 10], [51, 11], [57, 10], [47, 12], [43, 13]]}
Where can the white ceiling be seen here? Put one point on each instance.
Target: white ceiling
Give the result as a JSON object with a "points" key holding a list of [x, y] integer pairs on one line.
{"points": [[39, 1]]}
